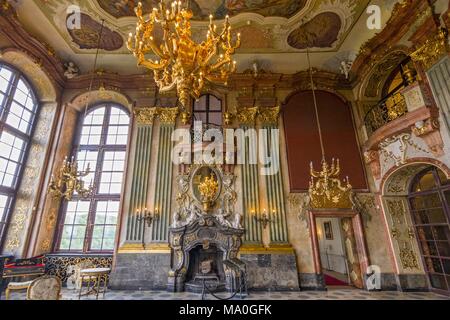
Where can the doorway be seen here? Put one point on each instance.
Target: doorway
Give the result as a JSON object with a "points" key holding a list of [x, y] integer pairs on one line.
{"points": [[333, 255], [339, 247]]}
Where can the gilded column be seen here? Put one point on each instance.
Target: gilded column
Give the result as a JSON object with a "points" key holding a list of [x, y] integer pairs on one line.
{"points": [[249, 179], [163, 189], [274, 182], [141, 172]]}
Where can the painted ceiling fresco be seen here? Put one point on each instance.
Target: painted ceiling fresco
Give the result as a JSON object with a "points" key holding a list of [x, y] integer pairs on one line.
{"points": [[219, 8], [87, 36], [320, 32]]}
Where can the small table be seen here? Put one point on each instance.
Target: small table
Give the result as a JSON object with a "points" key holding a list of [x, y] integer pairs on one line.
{"points": [[93, 277]]}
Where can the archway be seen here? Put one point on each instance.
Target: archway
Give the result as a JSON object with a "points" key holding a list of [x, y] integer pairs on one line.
{"points": [[408, 234]]}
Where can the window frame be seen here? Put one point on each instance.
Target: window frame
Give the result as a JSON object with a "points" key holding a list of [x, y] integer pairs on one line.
{"points": [[439, 189], [207, 110], [5, 107], [101, 148]]}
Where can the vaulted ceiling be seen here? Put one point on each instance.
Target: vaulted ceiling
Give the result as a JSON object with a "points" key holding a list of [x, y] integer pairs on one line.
{"points": [[275, 33]]}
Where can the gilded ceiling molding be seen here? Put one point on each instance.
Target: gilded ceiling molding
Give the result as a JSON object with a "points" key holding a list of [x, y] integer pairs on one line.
{"points": [[432, 50], [168, 116], [145, 116], [404, 15]]}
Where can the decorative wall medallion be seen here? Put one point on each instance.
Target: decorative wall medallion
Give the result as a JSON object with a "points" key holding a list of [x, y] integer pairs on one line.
{"points": [[87, 36], [396, 147], [320, 32]]}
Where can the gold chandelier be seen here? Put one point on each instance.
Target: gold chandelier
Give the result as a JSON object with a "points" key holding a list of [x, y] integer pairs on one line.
{"points": [[182, 63], [69, 180], [328, 192]]}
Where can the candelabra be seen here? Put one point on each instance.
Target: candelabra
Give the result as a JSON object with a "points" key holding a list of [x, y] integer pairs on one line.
{"points": [[148, 217]]}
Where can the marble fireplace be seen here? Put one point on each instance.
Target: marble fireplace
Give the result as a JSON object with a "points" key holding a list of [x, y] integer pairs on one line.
{"points": [[204, 250]]}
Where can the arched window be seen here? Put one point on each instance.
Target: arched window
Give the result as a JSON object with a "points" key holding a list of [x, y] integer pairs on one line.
{"points": [[18, 109], [89, 225], [208, 110], [430, 206]]}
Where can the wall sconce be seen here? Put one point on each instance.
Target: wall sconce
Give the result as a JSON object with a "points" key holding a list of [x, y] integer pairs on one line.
{"points": [[264, 219], [147, 216]]}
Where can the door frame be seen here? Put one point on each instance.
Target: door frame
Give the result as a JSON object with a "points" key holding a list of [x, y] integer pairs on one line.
{"points": [[358, 231]]}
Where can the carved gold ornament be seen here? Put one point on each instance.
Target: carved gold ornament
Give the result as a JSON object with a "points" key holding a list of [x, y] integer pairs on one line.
{"points": [[208, 190], [168, 115], [182, 63], [145, 116], [432, 50], [247, 116], [68, 180], [328, 191]]}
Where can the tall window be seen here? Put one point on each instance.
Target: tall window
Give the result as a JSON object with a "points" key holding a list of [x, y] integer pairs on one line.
{"points": [[18, 107], [430, 205], [89, 225], [208, 109]]}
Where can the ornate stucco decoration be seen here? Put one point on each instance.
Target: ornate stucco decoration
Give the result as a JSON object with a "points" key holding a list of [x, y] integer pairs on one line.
{"points": [[269, 115], [400, 232], [300, 203], [365, 205], [372, 158], [429, 131], [396, 148], [221, 202], [145, 116], [168, 116], [432, 50]]}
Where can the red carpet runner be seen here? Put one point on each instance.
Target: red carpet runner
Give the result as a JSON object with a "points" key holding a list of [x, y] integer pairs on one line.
{"points": [[332, 281]]}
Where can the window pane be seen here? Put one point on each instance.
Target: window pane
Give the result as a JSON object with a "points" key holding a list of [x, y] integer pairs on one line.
{"points": [[75, 223], [95, 117], [11, 154], [5, 78], [3, 204], [119, 117], [104, 231], [215, 104], [19, 117], [200, 105]]}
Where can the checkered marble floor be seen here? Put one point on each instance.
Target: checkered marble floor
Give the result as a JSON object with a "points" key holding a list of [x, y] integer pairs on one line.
{"points": [[332, 294]]}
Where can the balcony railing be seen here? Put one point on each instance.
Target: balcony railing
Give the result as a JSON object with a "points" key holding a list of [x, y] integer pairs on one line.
{"points": [[387, 110]]}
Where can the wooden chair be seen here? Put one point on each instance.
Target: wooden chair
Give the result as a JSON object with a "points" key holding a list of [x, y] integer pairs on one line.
{"points": [[45, 288]]}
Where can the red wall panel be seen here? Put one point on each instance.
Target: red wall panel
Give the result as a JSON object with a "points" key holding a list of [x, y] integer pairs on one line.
{"points": [[302, 138]]}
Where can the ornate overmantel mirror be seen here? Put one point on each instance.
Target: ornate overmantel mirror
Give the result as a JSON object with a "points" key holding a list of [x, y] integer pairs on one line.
{"points": [[206, 186], [206, 190]]}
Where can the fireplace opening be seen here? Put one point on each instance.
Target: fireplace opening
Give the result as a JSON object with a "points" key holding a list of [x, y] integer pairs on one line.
{"points": [[205, 264]]}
